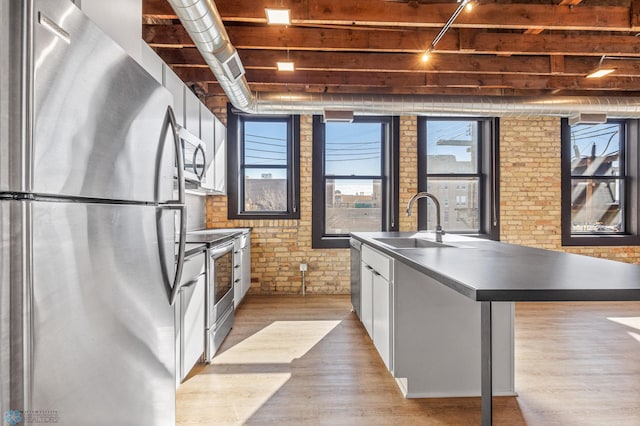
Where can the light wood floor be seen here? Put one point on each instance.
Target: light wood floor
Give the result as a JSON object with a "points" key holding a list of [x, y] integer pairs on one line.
{"points": [[292, 360]]}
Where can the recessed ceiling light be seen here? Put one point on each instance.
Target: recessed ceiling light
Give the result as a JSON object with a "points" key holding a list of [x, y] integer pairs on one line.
{"points": [[285, 66], [600, 72], [278, 16]]}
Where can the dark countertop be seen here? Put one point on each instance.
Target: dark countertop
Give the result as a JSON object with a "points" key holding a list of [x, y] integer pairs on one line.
{"points": [[194, 248], [486, 270], [213, 237]]}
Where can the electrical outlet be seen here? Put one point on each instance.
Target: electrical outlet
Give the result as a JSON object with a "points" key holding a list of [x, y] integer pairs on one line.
{"points": [[303, 267]]}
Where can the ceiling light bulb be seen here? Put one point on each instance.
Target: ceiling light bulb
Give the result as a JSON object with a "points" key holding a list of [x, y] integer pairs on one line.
{"points": [[469, 6], [278, 16], [426, 55], [600, 72], [285, 66]]}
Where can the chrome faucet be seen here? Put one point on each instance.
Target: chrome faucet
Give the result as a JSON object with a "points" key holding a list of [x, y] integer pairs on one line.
{"points": [[439, 230]]}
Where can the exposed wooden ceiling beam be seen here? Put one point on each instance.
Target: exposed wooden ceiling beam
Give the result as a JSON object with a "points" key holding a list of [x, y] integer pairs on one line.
{"points": [[379, 13], [214, 89], [463, 40], [402, 62], [384, 79]]}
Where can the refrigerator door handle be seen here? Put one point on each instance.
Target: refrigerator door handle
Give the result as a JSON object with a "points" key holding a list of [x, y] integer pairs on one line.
{"points": [[170, 119], [179, 204], [181, 250]]}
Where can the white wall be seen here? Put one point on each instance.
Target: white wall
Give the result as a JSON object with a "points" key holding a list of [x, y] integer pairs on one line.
{"points": [[121, 19]]}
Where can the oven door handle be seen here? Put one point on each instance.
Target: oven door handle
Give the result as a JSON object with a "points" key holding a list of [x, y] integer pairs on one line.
{"points": [[220, 250]]}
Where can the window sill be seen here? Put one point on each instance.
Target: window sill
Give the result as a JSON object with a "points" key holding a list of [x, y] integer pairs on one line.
{"points": [[266, 216], [331, 242], [600, 240]]}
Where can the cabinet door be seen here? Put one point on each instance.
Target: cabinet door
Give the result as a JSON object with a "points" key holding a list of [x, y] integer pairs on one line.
{"points": [[173, 83], [220, 158], [366, 295], [237, 272], [192, 325], [151, 62], [191, 112], [246, 266], [382, 317], [207, 132]]}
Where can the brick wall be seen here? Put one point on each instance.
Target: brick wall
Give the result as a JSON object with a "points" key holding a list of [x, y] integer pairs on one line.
{"points": [[530, 194], [530, 182], [530, 207]]}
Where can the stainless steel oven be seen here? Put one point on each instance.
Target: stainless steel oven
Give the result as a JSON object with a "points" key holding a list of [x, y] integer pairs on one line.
{"points": [[193, 152], [219, 312]]}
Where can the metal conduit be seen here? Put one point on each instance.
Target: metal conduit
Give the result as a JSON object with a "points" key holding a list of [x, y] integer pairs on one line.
{"points": [[204, 24]]}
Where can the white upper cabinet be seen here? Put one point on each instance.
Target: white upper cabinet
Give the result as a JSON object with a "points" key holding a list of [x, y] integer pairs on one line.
{"points": [[207, 131], [220, 159], [173, 83], [151, 62], [191, 112], [120, 19]]}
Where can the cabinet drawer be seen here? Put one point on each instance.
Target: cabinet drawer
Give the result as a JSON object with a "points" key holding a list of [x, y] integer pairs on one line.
{"points": [[193, 267], [376, 260]]}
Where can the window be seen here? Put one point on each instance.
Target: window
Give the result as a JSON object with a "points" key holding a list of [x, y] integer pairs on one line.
{"points": [[457, 160], [264, 152], [599, 183], [354, 184]]}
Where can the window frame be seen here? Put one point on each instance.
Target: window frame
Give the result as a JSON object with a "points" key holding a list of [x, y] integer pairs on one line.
{"points": [[236, 165], [629, 199], [488, 174], [389, 177]]}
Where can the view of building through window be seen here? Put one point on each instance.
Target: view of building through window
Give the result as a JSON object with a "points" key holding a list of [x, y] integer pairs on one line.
{"points": [[265, 166], [597, 178], [353, 177], [452, 174]]}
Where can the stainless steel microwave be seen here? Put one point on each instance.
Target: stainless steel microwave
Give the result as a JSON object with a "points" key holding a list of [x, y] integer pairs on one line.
{"points": [[194, 154]]}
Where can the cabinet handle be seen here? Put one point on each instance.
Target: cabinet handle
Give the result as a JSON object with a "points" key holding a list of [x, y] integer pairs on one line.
{"points": [[375, 272]]}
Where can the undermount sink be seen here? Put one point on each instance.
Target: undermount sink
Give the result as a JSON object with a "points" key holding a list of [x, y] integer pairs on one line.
{"points": [[410, 242]]}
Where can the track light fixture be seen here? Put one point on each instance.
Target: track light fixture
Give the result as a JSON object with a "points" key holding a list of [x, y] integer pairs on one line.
{"points": [[462, 4]]}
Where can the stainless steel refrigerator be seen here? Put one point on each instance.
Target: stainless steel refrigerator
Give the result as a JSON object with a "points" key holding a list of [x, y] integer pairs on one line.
{"points": [[87, 216]]}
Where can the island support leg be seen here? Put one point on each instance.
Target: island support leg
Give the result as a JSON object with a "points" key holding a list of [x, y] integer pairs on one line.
{"points": [[486, 390]]}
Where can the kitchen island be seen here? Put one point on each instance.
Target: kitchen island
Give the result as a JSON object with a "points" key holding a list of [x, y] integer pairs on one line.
{"points": [[488, 276]]}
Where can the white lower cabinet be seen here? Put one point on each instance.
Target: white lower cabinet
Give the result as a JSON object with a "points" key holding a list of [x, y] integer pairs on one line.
{"points": [[382, 317], [376, 301], [191, 325], [366, 294], [427, 334], [241, 266]]}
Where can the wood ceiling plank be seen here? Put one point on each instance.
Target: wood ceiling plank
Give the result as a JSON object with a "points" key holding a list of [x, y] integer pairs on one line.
{"points": [[545, 44], [279, 38], [358, 12], [634, 15], [558, 65], [158, 9]]}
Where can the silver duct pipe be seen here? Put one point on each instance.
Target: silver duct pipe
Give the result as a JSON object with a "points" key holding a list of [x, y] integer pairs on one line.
{"points": [[494, 106], [204, 24]]}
